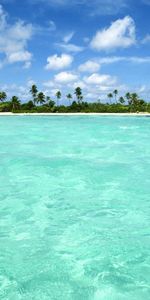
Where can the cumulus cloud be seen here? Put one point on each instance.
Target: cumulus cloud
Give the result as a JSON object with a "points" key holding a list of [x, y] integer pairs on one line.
{"points": [[14, 39], [79, 83], [97, 79], [19, 56], [89, 66], [121, 34], [94, 86], [65, 77], [56, 62]]}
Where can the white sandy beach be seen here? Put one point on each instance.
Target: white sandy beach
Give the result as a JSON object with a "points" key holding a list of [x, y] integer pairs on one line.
{"points": [[75, 114]]}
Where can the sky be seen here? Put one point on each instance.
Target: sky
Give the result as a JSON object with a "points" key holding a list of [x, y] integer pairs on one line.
{"points": [[99, 45]]}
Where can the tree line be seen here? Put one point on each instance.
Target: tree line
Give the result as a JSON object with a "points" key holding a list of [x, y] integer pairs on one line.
{"points": [[130, 102]]}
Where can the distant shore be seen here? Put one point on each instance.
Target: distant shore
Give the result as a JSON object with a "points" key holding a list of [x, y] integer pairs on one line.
{"points": [[74, 114]]}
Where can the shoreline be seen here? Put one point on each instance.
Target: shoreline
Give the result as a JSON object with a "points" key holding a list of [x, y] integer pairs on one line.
{"points": [[141, 114]]}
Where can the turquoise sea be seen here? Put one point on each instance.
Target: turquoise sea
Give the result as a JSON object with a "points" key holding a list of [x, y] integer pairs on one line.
{"points": [[74, 208]]}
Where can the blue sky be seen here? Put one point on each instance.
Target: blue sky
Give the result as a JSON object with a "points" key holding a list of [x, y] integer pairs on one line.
{"points": [[99, 45]]}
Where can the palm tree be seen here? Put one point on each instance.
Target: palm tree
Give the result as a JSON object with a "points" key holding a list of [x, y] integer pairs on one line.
{"points": [[128, 97], [78, 93], [110, 96], [58, 96], [3, 96], [15, 102], [134, 99], [48, 99], [50, 102], [115, 92], [40, 98], [34, 92], [69, 97], [121, 100]]}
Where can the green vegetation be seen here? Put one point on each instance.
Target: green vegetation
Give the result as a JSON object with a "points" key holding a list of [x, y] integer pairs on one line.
{"points": [[40, 103]]}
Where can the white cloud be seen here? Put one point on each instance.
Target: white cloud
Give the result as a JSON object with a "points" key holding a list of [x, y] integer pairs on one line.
{"points": [[132, 59], [79, 83], [65, 77], [110, 59], [146, 39], [89, 66], [13, 40], [19, 56], [139, 60], [68, 37], [96, 85], [22, 91], [96, 79], [45, 30], [30, 82], [121, 34], [27, 65], [53, 92], [56, 62], [49, 84], [70, 47], [20, 31], [67, 46], [3, 17]]}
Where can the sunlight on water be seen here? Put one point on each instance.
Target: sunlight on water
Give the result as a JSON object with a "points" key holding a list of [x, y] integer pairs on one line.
{"points": [[74, 208]]}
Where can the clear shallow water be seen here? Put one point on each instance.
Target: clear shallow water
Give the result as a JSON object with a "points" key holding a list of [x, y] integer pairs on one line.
{"points": [[74, 208]]}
